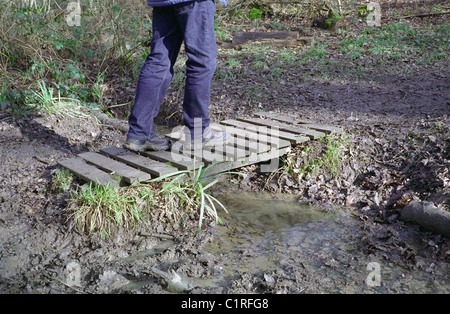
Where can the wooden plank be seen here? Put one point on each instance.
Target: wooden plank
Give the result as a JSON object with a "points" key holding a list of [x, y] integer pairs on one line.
{"points": [[129, 174], [250, 145], [238, 142], [205, 155], [286, 39], [155, 168], [233, 153], [249, 141], [236, 147], [255, 142], [182, 162], [254, 159], [213, 153], [322, 128], [245, 126], [209, 157], [284, 127], [303, 123], [89, 173], [279, 117], [218, 156], [292, 138], [242, 37]]}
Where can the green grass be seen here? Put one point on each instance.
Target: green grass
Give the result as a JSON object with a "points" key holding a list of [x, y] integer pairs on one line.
{"points": [[174, 199], [398, 41], [308, 162], [101, 208], [77, 62], [186, 192], [232, 63], [256, 71], [331, 160], [46, 101], [62, 181]]}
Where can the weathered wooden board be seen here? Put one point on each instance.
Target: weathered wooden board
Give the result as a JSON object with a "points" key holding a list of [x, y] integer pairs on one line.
{"points": [[279, 117], [229, 150], [242, 37], [322, 128], [88, 173], [236, 147], [153, 167], [273, 135], [204, 155], [180, 161], [286, 38], [303, 123], [252, 141], [129, 174], [250, 145], [209, 157], [225, 166], [284, 127], [213, 153]]}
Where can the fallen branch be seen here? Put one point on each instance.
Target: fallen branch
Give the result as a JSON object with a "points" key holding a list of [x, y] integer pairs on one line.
{"points": [[422, 15], [103, 118], [274, 38], [427, 215]]}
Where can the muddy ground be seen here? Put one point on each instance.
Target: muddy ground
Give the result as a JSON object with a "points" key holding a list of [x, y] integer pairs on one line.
{"points": [[384, 118]]}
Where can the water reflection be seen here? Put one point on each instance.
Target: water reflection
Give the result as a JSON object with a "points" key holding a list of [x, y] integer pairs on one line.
{"points": [[321, 250], [270, 213]]}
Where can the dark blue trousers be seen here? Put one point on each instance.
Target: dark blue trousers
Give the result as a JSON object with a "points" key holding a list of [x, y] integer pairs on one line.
{"points": [[191, 23]]}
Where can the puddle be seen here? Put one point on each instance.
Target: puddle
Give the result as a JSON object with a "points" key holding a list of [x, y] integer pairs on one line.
{"points": [[268, 213], [311, 250]]}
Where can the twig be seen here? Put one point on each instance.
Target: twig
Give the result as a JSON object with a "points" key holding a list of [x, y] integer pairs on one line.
{"points": [[422, 15]]}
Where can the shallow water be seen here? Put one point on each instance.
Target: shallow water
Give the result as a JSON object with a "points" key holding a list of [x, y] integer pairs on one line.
{"points": [[303, 249]]}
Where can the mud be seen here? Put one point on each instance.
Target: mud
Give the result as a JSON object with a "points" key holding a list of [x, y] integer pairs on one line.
{"points": [[41, 253]]}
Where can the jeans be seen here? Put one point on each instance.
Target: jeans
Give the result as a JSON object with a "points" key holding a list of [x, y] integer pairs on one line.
{"points": [[192, 23]]}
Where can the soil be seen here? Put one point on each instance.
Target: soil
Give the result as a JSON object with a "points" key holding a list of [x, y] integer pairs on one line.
{"points": [[398, 130]]}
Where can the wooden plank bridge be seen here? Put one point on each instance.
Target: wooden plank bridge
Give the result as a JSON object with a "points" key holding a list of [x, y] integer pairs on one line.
{"points": [[264, 137]]}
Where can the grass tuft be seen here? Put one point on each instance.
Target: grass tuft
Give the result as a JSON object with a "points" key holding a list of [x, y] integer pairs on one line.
{"points": [[173, 199]]}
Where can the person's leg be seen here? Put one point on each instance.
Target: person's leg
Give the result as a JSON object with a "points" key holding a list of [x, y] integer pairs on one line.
{"points": [[197, 23], [156, 74]]}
